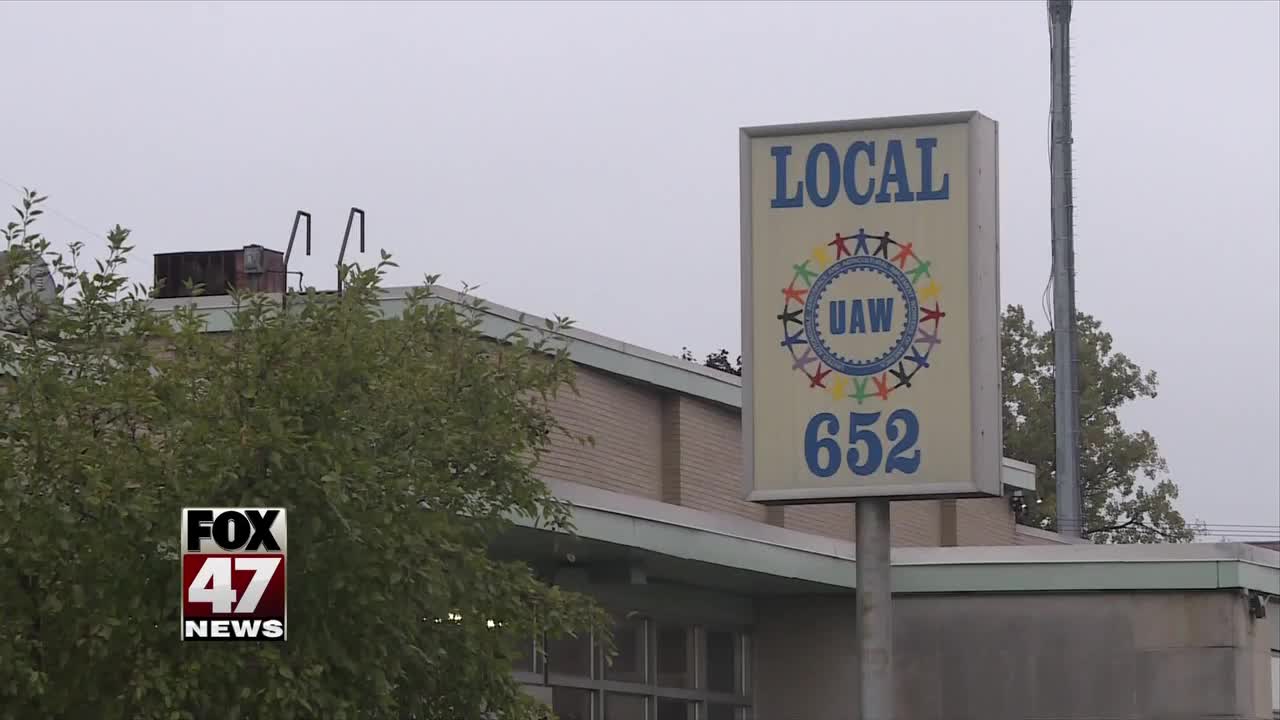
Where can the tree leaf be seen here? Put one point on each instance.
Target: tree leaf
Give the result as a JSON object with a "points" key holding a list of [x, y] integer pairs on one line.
{"points": [[122, 415]]}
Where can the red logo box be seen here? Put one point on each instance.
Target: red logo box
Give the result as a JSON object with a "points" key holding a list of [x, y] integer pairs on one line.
{"points": [[233, 574]]}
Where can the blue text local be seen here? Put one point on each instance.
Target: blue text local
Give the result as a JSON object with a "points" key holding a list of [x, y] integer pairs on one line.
{"points": [[851, 319], [865, 175]]}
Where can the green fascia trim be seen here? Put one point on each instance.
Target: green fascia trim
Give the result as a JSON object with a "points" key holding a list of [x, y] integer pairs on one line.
{"points": [[714, 548], [1059, 577], [1250, 576], [782, 561], [1038, 574], [599, 352]]}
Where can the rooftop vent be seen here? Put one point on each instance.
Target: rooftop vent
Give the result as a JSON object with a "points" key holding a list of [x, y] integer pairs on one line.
{"points": [[252, 267]]}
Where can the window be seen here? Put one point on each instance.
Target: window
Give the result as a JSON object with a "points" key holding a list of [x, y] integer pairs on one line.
{"points": [[570, 656], [723, 666], [717, 711], [660, 670], [525, 657], [624, 707], [572, 703], [675, 656], [630, 642], [669, 709], [1275, 683]]}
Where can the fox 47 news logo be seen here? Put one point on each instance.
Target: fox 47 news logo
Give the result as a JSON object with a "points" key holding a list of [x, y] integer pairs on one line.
{"points": [[233, 574]]}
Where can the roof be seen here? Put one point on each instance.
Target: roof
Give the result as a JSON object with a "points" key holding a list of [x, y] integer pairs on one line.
{"points": [[768, 556], [782, 559], [586, 348]]}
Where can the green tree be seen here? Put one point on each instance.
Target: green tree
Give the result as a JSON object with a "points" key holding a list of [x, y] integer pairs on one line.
{"points": [[1128, 495], [400, 447], [718, 360]]}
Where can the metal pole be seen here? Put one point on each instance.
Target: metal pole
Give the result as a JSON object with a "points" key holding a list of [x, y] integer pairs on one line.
{"points": [[875, 611], [1066, 360]]}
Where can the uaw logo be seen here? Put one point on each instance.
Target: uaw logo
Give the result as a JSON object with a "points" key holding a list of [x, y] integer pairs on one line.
{"points": [[861, 317]]}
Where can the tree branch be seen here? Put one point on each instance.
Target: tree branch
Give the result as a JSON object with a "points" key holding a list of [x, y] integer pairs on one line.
{"points": [[1158, 531], [1131, 522], [1112, 528]]}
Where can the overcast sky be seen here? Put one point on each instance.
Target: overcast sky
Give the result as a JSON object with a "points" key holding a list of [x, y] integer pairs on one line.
{"points": [[582, 159]]}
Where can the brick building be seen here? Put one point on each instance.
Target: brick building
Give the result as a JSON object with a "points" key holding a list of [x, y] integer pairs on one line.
{"points": [[727, 610]]}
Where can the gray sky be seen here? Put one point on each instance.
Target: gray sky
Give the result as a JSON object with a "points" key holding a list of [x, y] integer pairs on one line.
{"points": [[583, 159]]}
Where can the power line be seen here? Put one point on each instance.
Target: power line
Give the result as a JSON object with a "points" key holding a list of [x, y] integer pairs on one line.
{"points": [[1235, 526], [1242, 525], [65, 218]]}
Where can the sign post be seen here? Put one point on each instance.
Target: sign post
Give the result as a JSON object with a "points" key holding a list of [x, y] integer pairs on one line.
{"points": [[871, 355], [875, 610]]}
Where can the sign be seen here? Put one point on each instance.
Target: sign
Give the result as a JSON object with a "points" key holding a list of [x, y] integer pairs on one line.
{"points": [[871, 307], [233, 574]]}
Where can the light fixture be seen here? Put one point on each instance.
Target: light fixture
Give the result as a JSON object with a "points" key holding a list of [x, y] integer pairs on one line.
{"points": [[1017, 503], [1257, 605]]}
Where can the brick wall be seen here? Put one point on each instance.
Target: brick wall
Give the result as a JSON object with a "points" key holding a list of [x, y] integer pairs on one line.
{"points": [[707, 441], [834, 520], [912, 524], [915, 524], [624, 419], [985, 521], [683, 450]]}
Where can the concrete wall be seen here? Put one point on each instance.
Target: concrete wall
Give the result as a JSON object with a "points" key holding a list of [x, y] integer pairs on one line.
{"points": [[1033, 536], [1264, 639], [684, 450], [1130, 656]]}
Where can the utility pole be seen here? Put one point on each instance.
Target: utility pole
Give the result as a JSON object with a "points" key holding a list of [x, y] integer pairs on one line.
{"points": [[1066, 358]]}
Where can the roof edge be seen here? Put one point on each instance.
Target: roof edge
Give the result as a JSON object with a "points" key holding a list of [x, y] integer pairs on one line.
{"points": [[696, 535], [585, 348]]}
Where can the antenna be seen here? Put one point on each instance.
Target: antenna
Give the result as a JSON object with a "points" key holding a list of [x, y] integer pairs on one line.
{"points": [[293, 234], [1066, 357], [342, 254]]}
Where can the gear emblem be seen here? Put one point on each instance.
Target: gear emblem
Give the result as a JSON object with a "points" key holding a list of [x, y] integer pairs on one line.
{"points": [[862, 316]]}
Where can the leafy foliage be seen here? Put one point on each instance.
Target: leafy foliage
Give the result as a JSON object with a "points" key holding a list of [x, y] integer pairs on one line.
{"points": [[718, 360], [1128, 496], [401, 448]]}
